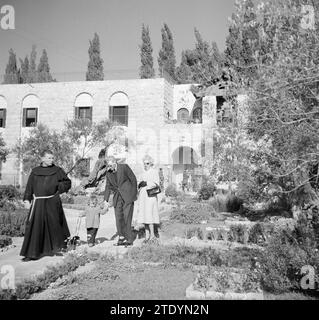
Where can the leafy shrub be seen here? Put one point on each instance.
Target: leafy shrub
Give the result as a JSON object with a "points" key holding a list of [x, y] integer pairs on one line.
{"points": [[194, 232], [5, 241], [192, 213], [218, 234], [226, 203], [67, 198], [287, 252], [257, 233], [9, 192], [219, 203], [171, 190], [7, 205], [261, 232], [233, 203], [13, 223], [239, 233], [206, 191]]}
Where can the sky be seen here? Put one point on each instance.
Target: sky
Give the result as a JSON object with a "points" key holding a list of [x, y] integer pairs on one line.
{"points": [[64, 28]]}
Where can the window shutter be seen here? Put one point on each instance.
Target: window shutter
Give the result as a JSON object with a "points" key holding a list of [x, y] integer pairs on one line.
{"points": [[4, 118], [36, 117], [110, 113], [24, 117], [76, 113], [91, 113], [126, 115]]}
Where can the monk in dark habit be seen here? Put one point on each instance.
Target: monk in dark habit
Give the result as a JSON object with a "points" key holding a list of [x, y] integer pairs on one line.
{"points": [[46, 227]]}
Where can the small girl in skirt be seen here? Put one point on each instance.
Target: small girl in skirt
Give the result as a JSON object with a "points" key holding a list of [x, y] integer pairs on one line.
{"points": [[92, 213]]}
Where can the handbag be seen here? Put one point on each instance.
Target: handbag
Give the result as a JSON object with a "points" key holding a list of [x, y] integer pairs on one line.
{"points": [[154, 191]]}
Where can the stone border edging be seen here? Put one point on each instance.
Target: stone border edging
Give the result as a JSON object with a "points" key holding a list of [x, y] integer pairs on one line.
{"points": [[192, 293]]}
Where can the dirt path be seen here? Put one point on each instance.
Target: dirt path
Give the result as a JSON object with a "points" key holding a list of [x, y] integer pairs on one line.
{"points": [[28, 269]]}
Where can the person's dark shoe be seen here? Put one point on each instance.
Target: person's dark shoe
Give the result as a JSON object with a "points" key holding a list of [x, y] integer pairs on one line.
{"points": [[127, 244], [27, 259]]}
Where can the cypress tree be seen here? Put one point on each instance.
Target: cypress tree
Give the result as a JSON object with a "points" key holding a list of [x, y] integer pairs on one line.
{"points": [[44, 74], [166, 57], [25, 76], [146, 69], [12, 73], [183, 71], [95, 65], [32, 65]]}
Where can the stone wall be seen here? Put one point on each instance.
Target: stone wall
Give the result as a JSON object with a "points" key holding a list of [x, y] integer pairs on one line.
{"points": [[56, 105]]}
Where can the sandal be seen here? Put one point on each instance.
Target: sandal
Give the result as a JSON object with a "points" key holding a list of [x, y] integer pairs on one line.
{"points": [[120, 242]]}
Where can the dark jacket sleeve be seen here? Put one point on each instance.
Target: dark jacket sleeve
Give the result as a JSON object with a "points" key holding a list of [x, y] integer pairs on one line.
{"points": [[28, 194], [64, 183], [131, 176], [108, 190]]}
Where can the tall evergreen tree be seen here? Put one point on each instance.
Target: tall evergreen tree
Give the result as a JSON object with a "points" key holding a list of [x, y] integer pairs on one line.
{"points": [[200, 65], [146, 69], [95, 65], [12, 72], [32, 66], [184, 72], [166, 57], [44, 74], [25, 76], [243, 41]]}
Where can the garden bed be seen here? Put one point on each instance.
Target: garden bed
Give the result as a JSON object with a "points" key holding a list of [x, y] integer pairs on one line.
{"points": [[226, 284], [12, 223]]}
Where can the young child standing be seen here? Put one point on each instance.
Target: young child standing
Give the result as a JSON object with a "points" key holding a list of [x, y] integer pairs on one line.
{"points": [[92, 213]]}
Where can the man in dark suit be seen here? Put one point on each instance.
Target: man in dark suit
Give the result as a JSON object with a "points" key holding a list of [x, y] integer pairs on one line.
{"points": [[121, 181]]}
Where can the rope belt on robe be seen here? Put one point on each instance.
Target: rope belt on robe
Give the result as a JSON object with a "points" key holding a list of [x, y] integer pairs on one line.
{"points": [[35, 198]]}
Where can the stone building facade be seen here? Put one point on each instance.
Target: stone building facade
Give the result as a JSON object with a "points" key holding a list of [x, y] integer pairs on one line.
{"points": [[161, 119]]}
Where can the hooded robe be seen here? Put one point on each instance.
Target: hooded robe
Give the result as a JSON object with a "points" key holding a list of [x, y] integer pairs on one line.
{"points": [[46, 227]]}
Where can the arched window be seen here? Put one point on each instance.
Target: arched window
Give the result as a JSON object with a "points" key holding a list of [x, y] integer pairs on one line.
{"points": [[83, 106], [3, 112], [182, 115], [118, 109], [30, 107], [197, 115]]}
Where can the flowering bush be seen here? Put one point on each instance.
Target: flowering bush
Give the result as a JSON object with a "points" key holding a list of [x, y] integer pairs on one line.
{"points": [[171, 190]]}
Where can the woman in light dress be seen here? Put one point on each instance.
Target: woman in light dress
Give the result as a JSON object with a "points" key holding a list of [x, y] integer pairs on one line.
{"points": [[147, 208]]}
